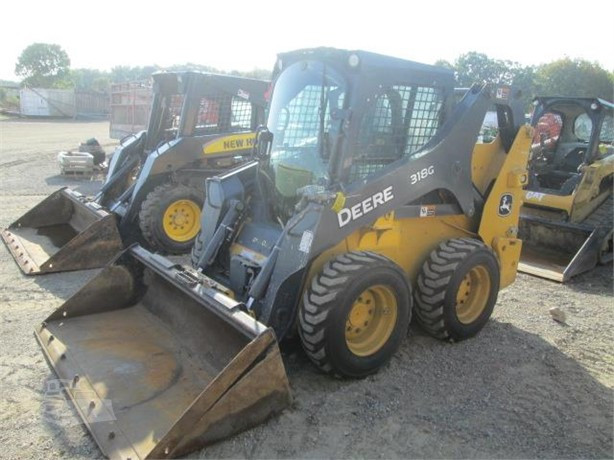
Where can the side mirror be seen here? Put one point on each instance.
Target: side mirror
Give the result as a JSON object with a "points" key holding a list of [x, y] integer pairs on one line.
{"points": [[264, 141]]}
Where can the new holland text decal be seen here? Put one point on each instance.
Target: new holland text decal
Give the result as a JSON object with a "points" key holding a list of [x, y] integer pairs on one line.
{"points": [[230, 143], [346, 215]]}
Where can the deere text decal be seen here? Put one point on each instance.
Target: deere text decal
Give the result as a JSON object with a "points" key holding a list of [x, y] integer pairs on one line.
{"points": [[346, 215]]}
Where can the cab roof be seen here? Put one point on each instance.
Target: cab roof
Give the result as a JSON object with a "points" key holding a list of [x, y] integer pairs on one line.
{"points": [[548, 100], [366, 59]]}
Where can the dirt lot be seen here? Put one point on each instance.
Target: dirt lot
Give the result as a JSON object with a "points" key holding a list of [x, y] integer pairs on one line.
{"points": [[526, 387]]}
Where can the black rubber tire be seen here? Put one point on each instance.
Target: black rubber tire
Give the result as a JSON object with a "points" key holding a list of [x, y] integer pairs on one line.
{"points": [[602, 218], [99, 157], [439, 280], [95, 150], [328, 300], [152, 211]]}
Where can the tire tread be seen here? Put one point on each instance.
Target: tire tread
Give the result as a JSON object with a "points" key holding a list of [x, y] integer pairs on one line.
{"points": [[433, 281], [148, 211], [323, 295]]}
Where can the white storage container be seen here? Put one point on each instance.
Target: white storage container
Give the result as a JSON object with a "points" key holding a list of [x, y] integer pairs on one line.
{"points": [[43, 102], [76, 163]]}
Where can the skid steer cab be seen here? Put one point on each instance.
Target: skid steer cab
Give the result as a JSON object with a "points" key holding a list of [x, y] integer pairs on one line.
{"points": [[566, 219], [369, 202], [199, 125]]}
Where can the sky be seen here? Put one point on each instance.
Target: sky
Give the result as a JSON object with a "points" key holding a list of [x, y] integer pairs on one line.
{"points": [[242, 35]]}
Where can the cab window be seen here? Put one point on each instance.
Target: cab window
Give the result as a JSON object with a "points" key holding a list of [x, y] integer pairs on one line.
{"points": [[241, 114], [582, 127], [606, 134], [397, 123]]}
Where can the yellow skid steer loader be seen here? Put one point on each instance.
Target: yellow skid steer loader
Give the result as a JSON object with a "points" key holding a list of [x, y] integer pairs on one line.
{"points": [[369, 201], [200, 124], [566, 221]]}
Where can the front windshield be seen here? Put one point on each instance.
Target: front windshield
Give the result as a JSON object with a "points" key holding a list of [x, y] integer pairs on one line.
{"points": [[300, 120], [607, 130], [583, 126]]}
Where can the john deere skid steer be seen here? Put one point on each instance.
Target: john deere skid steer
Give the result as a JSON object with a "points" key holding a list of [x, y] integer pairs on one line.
{"points": [[566, 221], [369, 201], [200, 124]]}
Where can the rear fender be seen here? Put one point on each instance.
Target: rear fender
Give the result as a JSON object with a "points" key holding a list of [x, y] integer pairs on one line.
{"points": [[590, 191], [501, 212], [159, 165], [149, 177]]}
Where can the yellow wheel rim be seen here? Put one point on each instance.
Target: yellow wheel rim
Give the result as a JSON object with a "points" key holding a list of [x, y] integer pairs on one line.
{"points": [[371, 320], [472, 295], [181, 220]]}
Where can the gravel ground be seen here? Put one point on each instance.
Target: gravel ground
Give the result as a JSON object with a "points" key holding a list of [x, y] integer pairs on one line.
{"points": [[525, 387]]}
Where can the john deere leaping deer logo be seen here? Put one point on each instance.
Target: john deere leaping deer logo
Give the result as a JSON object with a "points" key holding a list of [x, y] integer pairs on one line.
{"points": [[505, 205]]}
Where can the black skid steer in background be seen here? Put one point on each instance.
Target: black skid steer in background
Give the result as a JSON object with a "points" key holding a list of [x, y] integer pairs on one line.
{"points": [[200, 125]]}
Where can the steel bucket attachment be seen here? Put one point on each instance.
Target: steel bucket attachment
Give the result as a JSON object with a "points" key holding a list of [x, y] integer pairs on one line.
{"points": [[158, 363], [557, 250], [63, 232]]}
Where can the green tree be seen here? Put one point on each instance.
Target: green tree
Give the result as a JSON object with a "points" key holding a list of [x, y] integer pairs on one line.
{"points": [[191, 66], [474, 67], [43, 65], [261, 74], [90, 80], [120, 74], [574, 77], [101, 84], [443, 63]]}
